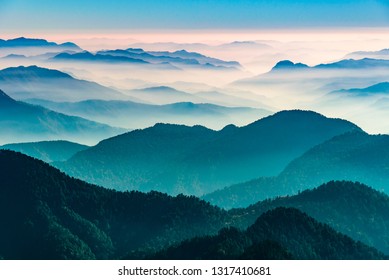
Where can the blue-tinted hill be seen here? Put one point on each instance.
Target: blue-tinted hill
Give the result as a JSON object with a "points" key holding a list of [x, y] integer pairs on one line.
{"points": [[346, 206], [22, 122], [354, 156], [47, 151], [196, 160], [282, 233], [37, 82], [46, 214], [87, 56], [288, 65], [23, 42], [377, 89], [138, 115]]}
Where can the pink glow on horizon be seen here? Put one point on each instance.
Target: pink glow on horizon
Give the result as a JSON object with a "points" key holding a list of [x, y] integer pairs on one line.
{"points": [[211, 36]]}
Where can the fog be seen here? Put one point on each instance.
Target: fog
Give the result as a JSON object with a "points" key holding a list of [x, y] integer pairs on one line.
{"points": [[253, 85]]}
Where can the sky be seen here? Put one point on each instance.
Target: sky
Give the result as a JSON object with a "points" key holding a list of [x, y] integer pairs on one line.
{"points": [[18, 16]]}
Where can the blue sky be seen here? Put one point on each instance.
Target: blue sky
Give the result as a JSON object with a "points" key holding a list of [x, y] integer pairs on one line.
{"points": [[40, 15]]}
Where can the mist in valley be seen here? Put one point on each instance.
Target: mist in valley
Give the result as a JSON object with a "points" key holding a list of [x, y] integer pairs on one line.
{"points": [[208, 82]]}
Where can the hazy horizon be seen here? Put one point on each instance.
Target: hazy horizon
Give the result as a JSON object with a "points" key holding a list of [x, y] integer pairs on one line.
{"points": [[256, 34]]}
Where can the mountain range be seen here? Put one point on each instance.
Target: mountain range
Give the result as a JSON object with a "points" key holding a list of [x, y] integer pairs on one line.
{"points": [[133, 115], [346, 64], [36, 82], [25, 122], [296, 78], [376, 89], [181, 57], [163, 95], [351, 208], [46, 214], [196, 160], [353, 156], [23, 42], [175, 60], [138, 153], [282, 233], [47, 151], [87, 56], [381, 54]]}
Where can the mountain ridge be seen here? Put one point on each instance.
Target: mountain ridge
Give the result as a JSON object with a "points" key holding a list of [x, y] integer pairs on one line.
{"points": [[36, 82], [29, 42], [25, 122], [352, 156], [207, 160], [280, 233]]}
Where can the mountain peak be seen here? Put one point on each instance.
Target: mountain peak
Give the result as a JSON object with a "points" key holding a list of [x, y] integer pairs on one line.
{"points": [[297, 116], [182, 51], [289, 65], [135, 50]]}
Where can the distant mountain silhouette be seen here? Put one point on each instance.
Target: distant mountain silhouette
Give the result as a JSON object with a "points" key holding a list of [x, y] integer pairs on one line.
{"points": [[381, 54], [147, 56], [288, 65], [178, 58], [201, 59], [36, 43], [282, 233], [137, 115], [87, 56], [380, 88], [342, 64], [23, 122], [163, 95], [195, 160], [355, 64], [47, 151], [350, 208], [296, 79], [226, 99], [14, 56], [36, 82]]}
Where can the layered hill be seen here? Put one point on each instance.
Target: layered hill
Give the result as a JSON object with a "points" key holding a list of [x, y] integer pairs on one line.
{"points": [[179, 59], [28, 43], [132, 115], [36, 82], [195, 160], [47, 215], [381, 54], [23, 122], [288, 79], [351, 208], [373, 90], [354, 156], [282, 233], [47, 151]]}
